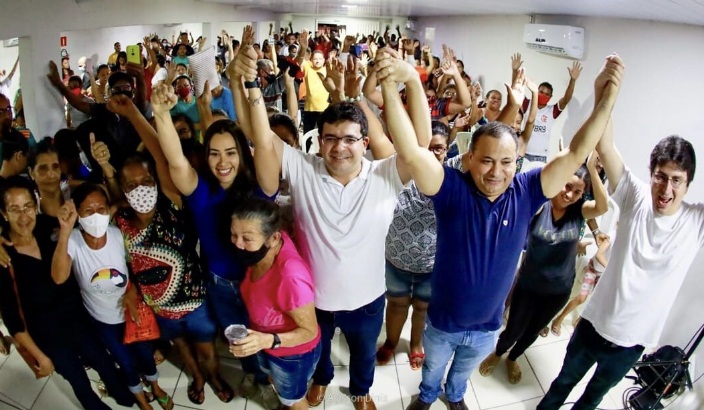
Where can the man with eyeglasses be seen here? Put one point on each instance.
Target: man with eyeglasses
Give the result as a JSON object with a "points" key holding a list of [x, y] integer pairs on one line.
{"points": [[115, 131], [342, 205], [658, 237]]}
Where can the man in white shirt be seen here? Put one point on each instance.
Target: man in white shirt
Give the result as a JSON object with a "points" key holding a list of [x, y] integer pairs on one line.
{"points": [[657, 240], [343, 205]]}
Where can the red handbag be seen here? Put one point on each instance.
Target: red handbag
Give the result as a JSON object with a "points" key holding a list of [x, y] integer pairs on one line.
{"points": [[145, 328]]}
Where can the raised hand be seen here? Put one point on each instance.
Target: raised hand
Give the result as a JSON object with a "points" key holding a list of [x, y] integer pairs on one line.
{"points": [[67, 216], [611, 73], [353, 79], [99, 150], [592, 161], [516, 62], [515, 92], [244, 65], [476, 90], [373, 48], [53, 75], [462, 120], [363, 61], [121, 105], [247, 36], [389, 67], [206, 97], [303, 40], [575, 71], [532, 86], [450, 68], [163, 99]]}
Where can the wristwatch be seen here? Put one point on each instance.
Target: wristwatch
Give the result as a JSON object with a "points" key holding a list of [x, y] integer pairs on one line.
{"points": [[253, 84], [277, 341]]}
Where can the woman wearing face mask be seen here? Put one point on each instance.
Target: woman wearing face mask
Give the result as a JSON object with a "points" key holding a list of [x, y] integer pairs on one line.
{"points": [[210, 196], [278, 293], [186, 104], [547, 272], [96, 254], [56, 328]]}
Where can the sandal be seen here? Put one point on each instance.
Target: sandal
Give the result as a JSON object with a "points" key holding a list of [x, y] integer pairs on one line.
{"points": [[225, 394], [416, 360], [514, 372], [384, 354], [195, 395], [544, 332], [556, 328], [487, 366], [5, 345], [166, 402]]}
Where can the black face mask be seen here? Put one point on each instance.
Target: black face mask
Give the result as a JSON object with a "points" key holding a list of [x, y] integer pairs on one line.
{"points": [[249, 258], [271, 78]]}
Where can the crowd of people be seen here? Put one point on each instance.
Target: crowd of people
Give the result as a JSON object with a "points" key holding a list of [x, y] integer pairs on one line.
{"points": [[234, 206]]}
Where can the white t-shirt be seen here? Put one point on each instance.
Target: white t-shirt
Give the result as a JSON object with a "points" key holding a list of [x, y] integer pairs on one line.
{"points": [[341, 230], [102, 275], [649, 261], [539, 143]]}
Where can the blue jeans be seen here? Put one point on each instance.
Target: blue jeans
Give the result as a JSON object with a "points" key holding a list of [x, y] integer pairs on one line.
{"points": [[587, 347], [291, 373], [469, 347], [198, 326], [225, 300], [134, 358], [361, 328]]}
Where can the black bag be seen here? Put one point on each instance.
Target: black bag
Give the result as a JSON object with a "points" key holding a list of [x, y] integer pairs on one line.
{"points": [[665, 372]]}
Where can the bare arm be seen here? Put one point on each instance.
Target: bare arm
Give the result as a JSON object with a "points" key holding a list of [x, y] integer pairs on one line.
{"points": [[268, 148], [303, 40], [370, 91], [610, 157], [574, 74], [600, 204], [606, 86], [182, 173], [44, 365], [530, 122], [76, 101], [61, 262], [421, 164], [14, 69], [291, 97]]}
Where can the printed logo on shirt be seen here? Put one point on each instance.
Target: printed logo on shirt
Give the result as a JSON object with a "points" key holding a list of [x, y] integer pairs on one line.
{"points": [[543, 118], [107, 280], [540, 129]]}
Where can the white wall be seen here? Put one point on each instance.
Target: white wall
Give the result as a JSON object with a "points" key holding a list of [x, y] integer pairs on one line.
{"points": [[8, 55], [39, 23], [661, 95]]}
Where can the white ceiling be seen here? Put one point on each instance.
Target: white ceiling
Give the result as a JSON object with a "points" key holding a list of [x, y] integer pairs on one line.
{"points": [[680, 11]]}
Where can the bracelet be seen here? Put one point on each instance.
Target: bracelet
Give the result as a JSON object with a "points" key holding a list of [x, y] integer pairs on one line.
{"points": [[253, 84], [596, 232], [353, 99], [255, 101]]}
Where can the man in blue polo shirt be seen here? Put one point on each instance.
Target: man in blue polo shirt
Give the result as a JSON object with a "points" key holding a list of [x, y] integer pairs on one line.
{"points": [[482, 220]]}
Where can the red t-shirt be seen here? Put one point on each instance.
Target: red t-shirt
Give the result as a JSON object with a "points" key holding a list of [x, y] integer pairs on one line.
{"points": [[286, 286]]}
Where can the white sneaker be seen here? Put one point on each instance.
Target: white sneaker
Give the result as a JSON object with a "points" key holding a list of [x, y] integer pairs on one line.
{"points": [[269, 397], [248, 387]]}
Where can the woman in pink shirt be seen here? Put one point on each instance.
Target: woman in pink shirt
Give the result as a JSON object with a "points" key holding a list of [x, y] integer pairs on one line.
{"points": [[278, 293]]}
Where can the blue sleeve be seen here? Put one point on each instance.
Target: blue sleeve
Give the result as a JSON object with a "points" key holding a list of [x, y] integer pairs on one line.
{"points": [[453, 186], [531, 188]]}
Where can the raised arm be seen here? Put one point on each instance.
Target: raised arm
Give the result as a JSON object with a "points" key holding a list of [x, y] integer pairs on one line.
{"points": [[76, 101], [370, 91], [14, 69], [610, 157], [268, 148], [574, 75], [421, 164], [562, 167], [123, 106], [530, 122], [514, 95], [600, 204], [239, 94], [291, 97], [101, 153], [303, 41], [182, 173], [61, 262]]}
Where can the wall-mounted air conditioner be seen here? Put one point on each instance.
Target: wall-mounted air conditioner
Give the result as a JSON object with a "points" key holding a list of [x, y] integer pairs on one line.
{"points": [[561, 41]]}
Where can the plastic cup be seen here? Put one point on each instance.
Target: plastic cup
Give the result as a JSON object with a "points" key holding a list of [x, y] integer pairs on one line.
{"points": [[235, 333]]}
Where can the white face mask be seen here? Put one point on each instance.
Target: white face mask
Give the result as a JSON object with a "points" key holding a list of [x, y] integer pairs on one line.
{"points": [[142, 199], [95, 225]]}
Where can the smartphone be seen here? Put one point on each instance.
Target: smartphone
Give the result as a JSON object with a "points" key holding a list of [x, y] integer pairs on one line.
{"points": [[133, 55]]}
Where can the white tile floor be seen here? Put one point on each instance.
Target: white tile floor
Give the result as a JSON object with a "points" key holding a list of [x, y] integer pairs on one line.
{"points": [[395, 384]]}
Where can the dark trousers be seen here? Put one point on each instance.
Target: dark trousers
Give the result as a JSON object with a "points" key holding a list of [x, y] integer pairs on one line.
{"points": [[68, 362], [310, 121], [586, 348], [361, 328], [530, 313]]}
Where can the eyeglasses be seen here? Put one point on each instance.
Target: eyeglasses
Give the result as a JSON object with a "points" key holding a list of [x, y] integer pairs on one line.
{"points": [[120, 88], [346, 141], [182, 132], [29, 208], [662, 179], [438, 150]]}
